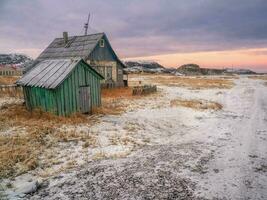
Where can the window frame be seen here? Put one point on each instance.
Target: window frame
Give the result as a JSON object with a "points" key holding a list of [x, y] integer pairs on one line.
{"points": [[109, 72], [102, 43]]}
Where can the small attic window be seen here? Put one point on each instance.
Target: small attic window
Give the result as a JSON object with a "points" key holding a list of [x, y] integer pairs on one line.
{"points": [[102, 43]]}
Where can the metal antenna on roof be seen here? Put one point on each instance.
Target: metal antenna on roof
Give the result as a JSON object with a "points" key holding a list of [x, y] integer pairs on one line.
{"points": [[86, 25]]}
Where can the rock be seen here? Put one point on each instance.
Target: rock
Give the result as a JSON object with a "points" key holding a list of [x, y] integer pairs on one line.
{"points": [[27, 187]]}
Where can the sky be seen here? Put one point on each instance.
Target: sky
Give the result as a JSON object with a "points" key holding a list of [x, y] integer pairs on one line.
{"points": [[211, 33]]}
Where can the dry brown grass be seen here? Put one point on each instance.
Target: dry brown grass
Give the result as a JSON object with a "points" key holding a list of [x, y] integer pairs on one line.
{"points": [[195, 83], [231, 77], [259, 77], [190, 82], [21, 152], [110, 107], [18, 115], [100, 155], [124, 92], [196, 104], [11, 92], [8, 80], [70, 136], [114, 101]]}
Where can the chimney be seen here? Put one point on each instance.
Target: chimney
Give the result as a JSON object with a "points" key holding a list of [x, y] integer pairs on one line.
{"points": [[65, 37]]}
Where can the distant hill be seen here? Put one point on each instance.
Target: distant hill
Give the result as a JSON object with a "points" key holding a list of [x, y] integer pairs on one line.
{"points": [[194, 69], [189, 69], [186, 69], [239, 71], [144, 66], [16, 60]]}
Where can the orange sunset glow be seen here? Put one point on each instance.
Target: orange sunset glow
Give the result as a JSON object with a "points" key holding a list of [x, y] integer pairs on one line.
{"points": [[255, 59]]}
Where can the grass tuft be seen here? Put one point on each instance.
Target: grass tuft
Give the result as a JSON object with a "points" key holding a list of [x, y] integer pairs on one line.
{"points": [[196, 104]]}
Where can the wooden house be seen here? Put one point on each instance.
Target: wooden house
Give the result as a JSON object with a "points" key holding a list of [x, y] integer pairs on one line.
{"points": [[95, 49], [62, 86]]}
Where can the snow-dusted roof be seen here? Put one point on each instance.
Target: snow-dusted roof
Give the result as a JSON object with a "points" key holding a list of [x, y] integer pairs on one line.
{"points": [[76, 47], [50, 73]]}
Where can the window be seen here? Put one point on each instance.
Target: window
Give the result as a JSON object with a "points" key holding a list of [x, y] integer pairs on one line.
{"points": [[102, 71], [102, 43], [109, 73]]}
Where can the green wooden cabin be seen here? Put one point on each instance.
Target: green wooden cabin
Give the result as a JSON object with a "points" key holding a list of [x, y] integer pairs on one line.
{"points": [[62, 86]]}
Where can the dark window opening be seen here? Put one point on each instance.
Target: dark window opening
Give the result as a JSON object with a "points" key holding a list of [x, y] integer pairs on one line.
{"points": [[102, 43]]}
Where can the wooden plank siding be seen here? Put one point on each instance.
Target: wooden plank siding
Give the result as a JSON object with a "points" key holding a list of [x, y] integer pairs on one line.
{"points": [[64, 100], [102, 53], [39, 97], [105, 56]]}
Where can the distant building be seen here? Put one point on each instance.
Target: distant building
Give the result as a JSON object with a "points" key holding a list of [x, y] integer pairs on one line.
{"points": [[95, 49], [10, 70], [62, 86]]}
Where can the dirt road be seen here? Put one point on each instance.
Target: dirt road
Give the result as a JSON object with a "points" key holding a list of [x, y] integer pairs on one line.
{"points": [[191, 155], [240, 165]]}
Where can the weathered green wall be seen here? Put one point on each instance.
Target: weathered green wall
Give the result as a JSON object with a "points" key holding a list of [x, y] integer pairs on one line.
{"points": [[67, 94], [36, 97], [64, 100]]}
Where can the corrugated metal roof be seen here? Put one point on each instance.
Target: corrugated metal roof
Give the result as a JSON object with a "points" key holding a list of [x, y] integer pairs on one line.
{"points": [[77, 47], [49, 73]]}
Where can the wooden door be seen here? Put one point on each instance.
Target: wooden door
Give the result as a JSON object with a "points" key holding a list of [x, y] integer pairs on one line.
{"points": [[85, 99]]}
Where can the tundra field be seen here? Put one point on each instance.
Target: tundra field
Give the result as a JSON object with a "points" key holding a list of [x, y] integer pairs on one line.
{"points": [[196, 138]]}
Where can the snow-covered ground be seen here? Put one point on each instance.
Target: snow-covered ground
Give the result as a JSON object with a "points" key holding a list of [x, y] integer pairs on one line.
{"points": [[239, 167], [155, 151]]}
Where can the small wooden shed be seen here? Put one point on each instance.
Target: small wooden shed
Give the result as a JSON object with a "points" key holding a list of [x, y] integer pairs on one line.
{"points": [[62, 86]]}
